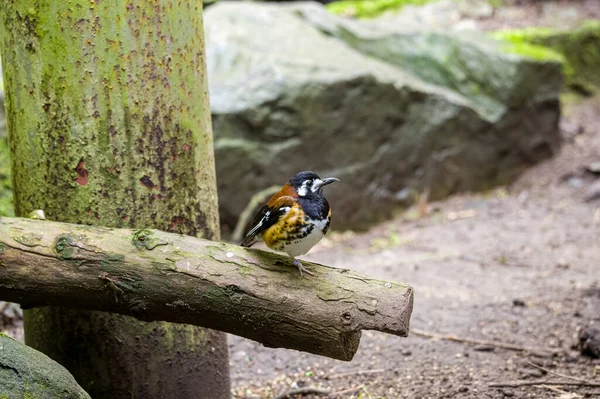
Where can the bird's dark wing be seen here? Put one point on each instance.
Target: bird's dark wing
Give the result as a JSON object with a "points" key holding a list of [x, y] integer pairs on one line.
{"points": [[267, 216]]}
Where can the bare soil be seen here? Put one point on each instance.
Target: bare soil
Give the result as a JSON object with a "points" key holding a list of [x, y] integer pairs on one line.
{"points": [[518, 265]]}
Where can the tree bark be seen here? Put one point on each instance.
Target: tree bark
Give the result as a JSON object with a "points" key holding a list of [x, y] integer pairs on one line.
{"points": [[154, 275], [109, 124]]}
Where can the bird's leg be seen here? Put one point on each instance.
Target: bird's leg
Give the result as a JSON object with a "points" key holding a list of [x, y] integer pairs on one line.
{"points": [[301, 268]]}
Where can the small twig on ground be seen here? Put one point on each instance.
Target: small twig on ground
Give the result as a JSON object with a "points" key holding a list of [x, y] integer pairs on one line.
{"points": [[464, 214], [564, 394], [357, 372], [556, 373], [516, 384], [495, 344], [345, 391], [553, 388], [303, 391]]}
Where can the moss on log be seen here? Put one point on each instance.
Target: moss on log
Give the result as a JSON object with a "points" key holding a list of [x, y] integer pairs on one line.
{"points": [[154, 275]]}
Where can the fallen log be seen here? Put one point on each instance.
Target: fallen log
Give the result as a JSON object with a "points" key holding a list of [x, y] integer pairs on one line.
{"points": [[153, 275]]}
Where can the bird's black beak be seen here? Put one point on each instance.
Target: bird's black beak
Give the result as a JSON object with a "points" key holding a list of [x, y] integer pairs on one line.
{"points": [[327, 181]]}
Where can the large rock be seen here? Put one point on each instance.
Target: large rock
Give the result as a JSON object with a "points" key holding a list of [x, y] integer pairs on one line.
{"points": [[27, 373], [467, 62], [388, 111]]}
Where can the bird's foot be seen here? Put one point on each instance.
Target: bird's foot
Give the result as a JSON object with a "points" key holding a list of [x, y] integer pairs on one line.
{"points": [[301, 268]]}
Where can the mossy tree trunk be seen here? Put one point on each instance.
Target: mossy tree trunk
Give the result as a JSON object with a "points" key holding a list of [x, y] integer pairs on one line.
{"points": [[109, 125]]}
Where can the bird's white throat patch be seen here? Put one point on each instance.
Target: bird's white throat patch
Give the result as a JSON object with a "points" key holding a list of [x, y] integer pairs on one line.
{"points": [[312, 185]]}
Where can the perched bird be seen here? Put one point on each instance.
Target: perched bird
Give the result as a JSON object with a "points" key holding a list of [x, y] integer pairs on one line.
{"points": [[295, 218]]}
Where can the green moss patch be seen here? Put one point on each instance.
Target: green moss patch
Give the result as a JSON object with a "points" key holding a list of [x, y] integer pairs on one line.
{"points": [[370, 8], [579, 49], [64, 246], [538, 53], [144, 238]]}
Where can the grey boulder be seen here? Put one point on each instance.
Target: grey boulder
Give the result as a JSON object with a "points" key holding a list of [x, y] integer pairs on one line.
{"points": [[389, 110], [27, 373]]}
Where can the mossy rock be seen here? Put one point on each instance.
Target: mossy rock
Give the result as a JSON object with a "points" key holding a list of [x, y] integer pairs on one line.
{"points": [[371, 8], [492, 74], [27, 373], [579, 47], [386, 110]]}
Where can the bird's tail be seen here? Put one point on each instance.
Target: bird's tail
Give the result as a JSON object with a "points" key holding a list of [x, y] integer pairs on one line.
{"points": [[249, 241]]}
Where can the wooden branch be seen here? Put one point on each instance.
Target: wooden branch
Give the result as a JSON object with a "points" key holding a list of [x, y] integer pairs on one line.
{"points": [[153, 275], [548, 371]]}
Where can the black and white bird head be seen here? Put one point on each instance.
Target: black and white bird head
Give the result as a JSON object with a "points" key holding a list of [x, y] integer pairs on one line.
{"points": [[309, 184]]}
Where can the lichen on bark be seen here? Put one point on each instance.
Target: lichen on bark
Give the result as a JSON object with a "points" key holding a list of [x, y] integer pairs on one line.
{"points": [[115, 90], [6, 206]]}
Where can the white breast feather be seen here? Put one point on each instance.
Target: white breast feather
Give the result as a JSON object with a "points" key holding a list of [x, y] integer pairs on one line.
{"points": [[303, 245]]}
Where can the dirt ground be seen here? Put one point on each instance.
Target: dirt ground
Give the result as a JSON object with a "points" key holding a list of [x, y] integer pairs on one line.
{"points": [[518, 265]]}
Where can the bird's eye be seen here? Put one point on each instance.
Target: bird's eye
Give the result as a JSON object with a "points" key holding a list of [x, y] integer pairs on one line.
{"points": [[309, 183]]}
